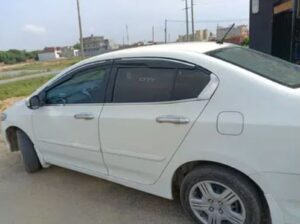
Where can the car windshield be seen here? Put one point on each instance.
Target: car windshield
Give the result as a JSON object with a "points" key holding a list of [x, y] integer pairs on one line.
{"points": [[270, 67]]}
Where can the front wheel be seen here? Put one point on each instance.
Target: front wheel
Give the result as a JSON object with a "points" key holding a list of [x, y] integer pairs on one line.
{"points": [[217, 195], [30, 158]]}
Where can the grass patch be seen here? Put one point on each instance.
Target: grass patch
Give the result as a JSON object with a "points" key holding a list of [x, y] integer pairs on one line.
{"points": [[22, 87], [51, 65], [20, 74], [45, 66]]}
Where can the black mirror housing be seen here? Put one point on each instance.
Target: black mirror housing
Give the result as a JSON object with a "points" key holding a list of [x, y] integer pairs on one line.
{"points": [[34, 102]]}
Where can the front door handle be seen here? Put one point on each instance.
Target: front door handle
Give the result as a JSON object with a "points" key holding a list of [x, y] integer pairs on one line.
{"points": [[172, 119], [84, 116]]}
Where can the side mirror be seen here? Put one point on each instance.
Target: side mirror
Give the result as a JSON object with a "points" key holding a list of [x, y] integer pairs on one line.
{"points": [[34, 103]]}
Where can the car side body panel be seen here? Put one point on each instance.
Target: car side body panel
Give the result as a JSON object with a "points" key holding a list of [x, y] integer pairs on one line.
{"points": [[271, 131], [266, 130], [137, 147], [20, 117]]}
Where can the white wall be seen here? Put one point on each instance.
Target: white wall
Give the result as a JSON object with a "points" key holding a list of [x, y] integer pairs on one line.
{"points": [[48, 56]]}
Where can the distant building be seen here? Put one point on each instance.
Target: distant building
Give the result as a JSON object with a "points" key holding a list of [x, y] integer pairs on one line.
{"points": [[95, 45], [113, 45], [237, 35], [181, 38], [200, 35], [139, 44], [212, 37], [50, 54], [69, 52]]}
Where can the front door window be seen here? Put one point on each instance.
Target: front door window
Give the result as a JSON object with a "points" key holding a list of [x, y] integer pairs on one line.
{"points": [[87, 86]]}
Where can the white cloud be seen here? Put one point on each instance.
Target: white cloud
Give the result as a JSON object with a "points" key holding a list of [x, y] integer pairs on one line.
{"points": [[34, 29]]}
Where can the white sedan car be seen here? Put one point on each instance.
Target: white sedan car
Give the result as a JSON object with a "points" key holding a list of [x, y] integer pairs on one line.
{"points": [[216, 124]]}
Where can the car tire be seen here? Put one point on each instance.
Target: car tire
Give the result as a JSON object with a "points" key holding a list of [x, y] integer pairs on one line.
{"points": [[216, 194], [30, 158]]}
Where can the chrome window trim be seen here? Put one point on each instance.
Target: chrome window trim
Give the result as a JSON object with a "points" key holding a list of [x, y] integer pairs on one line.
{"points": [[178, 61], [206, 94], [153, 103], [75, 105], [210, 89]]}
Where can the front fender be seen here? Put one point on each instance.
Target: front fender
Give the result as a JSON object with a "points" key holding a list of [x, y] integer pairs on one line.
{"points": [[19, 116]]}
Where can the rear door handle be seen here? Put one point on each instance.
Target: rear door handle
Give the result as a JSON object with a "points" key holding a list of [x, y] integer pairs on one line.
{"points": [[172, 119], [84, 116]]}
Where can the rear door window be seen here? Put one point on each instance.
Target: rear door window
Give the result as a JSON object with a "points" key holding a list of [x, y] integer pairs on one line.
{"points": [[147, 84], [144, 85], [190, 83]]}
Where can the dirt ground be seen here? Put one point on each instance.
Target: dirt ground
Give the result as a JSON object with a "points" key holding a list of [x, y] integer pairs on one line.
{"points": [[60, 196], [4, 67], [9, 102]]}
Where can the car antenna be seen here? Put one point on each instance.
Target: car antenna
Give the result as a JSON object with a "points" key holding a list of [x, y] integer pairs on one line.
{"points": [[226, 34]]}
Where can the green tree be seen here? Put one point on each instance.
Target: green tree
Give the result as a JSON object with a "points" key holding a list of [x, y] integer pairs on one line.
{"points": [[77, 46], [246, 41], [16, 56]]}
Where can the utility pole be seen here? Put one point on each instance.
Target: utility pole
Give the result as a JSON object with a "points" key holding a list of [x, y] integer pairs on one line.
{"points": [[127, 34], [153, 34], [166, 31], [187, 20], [80, 30], [193, 21]]}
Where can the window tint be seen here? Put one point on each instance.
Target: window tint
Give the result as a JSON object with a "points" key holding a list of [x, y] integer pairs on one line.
{"points": [[144, 85], [255, 6], [84, 87], [298, 9], [158, 84], [265, 65], [190, 83]]}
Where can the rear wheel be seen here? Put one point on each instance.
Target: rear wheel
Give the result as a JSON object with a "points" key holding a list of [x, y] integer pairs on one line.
{"points": [[217, 195], [30, 158]]}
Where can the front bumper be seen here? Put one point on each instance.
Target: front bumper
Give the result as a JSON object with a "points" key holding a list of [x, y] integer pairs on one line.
{"points": [[282, 192], [3, 136]]}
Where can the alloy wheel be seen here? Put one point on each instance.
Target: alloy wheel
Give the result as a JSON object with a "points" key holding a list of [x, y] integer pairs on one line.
{"points": [[215, 203]]}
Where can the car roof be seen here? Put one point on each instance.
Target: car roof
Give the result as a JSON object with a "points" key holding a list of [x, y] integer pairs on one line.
{"points": [[196, 47]]}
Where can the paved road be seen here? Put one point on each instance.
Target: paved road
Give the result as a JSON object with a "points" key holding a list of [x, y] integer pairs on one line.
{"points": [[5, 81], [60, 196]]}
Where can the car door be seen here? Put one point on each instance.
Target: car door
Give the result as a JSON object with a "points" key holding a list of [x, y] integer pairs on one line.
{"points": [[67, 126], [152, 105]]}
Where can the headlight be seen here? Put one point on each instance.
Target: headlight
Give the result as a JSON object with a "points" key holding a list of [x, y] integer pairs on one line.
{"points": [[3, 117]]}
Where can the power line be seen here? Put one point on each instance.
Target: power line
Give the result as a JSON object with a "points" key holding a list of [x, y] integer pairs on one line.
{"points": [[187, 19], [200, 21], [193, 21], [80, 29], [127, 34], [210, 21], [166, 31], [211, 2], [153, 34]]}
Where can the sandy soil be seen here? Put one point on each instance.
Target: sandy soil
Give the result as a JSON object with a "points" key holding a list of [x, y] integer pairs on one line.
{"points": [[4, 67], [9, 102], [57, 195], [60, 196]]}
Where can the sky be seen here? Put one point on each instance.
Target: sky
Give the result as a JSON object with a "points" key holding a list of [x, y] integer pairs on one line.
{"points": [[34, 24]]}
